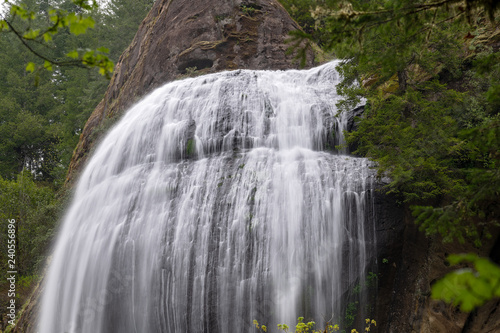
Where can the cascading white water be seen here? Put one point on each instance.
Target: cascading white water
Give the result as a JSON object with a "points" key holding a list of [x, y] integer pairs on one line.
{"points": [[214, 201]]}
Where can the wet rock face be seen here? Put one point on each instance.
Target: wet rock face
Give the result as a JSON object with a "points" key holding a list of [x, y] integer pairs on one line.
{"points": [[180, 38], [408, 265]]}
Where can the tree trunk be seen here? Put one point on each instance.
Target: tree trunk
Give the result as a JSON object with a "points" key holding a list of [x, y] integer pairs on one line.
{"points": [[402, 80]]}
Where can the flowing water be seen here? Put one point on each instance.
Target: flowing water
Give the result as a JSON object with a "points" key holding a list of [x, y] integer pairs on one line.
{"points": [[215, 201]]}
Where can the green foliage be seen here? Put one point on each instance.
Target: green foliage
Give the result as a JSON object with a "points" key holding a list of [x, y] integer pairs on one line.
{"points": [[475, 203], [36, 29], [301, 11], [469, 287], [371, 279], [303, 327], [396, 28], [191, 71], [370, 282], [220, 17], [248, 10], [417, 140], [432, 103], [43, 113], [416, 127], [35, 209], [40, 125], [350, 313], [121, 18], [27, 281], [28, 140], [430, 77]]}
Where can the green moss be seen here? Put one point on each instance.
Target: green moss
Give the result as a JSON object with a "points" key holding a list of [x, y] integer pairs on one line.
{"points": [[248, 10], [220, 17], [350, 314], [190, 148]]}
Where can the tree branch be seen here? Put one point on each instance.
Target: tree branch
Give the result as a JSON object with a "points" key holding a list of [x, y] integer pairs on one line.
{"points": [[39, 55]]}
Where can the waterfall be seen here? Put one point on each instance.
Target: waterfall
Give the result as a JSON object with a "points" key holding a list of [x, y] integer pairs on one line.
{"points": [[214, 201]]}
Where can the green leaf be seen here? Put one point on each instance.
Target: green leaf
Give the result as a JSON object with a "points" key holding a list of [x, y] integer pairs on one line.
{"points": [[103, 49], [469, 288], [73, 54], [54, 16], [47, 65], [78, 25], [3, 25], [30, 67], [17, 10], [31, 34], [47, 37]]}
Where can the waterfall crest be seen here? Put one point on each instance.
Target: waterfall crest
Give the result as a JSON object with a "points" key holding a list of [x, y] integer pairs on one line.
{"points": [[215, 201]]}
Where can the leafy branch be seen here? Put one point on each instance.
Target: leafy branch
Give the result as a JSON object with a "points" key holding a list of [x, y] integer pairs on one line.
{"points": [[76, 23], [469, 287]]}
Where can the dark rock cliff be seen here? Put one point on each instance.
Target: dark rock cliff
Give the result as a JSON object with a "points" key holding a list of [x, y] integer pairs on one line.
{"points": [[409, 262]]}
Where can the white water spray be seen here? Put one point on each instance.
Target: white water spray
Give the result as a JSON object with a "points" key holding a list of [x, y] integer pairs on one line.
{"points": [[215, 201]]}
